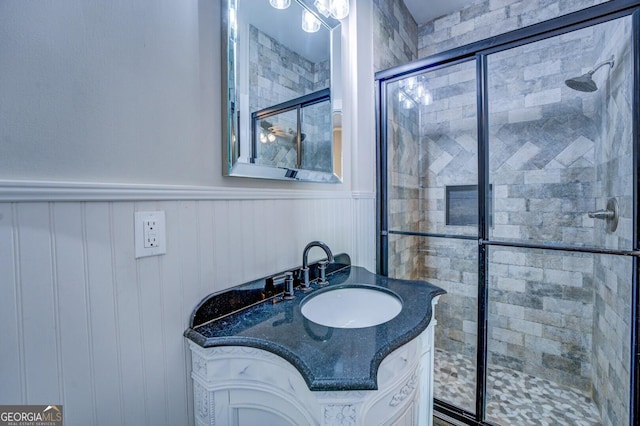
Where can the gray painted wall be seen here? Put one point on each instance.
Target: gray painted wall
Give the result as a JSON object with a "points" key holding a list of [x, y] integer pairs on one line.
{"points": [[84, 323], [118, 92]]}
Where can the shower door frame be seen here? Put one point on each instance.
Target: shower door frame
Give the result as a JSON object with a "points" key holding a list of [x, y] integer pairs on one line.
{"points": [[478, 52]]}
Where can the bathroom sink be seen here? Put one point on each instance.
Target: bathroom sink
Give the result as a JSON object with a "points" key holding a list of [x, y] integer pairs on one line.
{"points": [[351, 306]]}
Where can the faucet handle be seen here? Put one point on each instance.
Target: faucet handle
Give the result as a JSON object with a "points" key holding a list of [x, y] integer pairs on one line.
{"points": [[322, 268], [288, 286], [304, 282]]}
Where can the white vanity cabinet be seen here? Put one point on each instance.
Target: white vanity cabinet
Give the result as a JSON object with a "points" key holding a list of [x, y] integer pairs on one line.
{"points": [[245, 386]]}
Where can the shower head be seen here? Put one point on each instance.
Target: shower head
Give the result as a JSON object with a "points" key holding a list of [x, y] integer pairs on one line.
{"points": [[585, 83]]}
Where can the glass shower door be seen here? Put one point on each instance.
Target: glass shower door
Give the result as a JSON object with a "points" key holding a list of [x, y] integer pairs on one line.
{"points": [[560, 151], [432, 202], [509, 178]]}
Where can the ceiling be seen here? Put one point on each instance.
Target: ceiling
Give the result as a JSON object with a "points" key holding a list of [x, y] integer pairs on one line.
{"points": [[427, 10]]}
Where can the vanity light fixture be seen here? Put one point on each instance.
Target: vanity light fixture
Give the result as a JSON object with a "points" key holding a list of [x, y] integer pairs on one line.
{"points": [[267, 137], [280, 4], [323, 7], [310, 23], [412, 92], [337, 9], [405, 101]]}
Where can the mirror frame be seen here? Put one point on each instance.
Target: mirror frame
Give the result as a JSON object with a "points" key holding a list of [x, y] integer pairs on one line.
{"points": [[231, 114]]}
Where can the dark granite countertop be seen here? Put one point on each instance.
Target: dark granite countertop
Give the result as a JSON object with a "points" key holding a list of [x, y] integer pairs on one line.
{"points": [[328, 358]]}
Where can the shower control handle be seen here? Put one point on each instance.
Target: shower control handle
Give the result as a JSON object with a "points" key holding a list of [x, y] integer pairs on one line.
{"points": [[602, 214], [609, 214]]}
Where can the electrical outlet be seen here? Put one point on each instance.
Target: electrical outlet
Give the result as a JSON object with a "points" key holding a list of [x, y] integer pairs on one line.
{"points": [[150, 236], [150, 233]]}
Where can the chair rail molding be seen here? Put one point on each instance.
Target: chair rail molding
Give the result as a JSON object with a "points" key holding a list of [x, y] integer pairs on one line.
{"points": [[24, 191]]}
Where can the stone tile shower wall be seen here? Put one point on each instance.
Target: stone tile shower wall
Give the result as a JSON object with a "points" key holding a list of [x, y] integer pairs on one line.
{"points": [[542, 140], [278, 74], [611, 351], [448, 156], [394, 43], [541, 314], [487, 18], [395, 34], [453, 265], [403, 186]]}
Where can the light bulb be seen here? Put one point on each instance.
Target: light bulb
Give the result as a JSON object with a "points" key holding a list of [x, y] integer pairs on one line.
{"points": [[323, 7], [280, 4], [310, 23], [427, 99], [263, 138], [271, 137], [411, 83], [339, 9]]}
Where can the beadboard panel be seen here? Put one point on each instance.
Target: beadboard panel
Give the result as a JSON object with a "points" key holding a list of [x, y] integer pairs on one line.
{"points": [[13, 387], [86, 325], [38, 292], [71, 303]]}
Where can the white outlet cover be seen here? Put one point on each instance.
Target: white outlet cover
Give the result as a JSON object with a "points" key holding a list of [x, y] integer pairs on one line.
{"points": [[139, 219]]}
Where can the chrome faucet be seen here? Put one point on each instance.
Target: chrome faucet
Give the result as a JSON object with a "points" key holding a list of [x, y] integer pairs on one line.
{"points": [[305, 262]]}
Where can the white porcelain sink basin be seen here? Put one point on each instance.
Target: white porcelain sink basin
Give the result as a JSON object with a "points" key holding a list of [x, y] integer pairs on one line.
{"points": [[353, 306]]}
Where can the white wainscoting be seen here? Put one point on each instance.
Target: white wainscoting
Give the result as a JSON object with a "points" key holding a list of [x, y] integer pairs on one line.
{"points": [[85, 324]]}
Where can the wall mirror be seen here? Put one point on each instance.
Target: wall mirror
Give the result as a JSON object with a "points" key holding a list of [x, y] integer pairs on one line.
{"points": [[282, 115]]}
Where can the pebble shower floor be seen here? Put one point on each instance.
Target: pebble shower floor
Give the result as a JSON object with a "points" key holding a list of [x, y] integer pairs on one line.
{"points": [[514, 398]]}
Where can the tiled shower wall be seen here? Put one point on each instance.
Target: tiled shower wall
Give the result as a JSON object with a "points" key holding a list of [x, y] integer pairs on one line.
{"points": [[395, 38], [487, 18], [403, 179], [448, 156], [395, 34], [611, 329]]}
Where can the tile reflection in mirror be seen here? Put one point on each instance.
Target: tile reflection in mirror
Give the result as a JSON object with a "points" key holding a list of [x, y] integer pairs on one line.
{"points": [[276, 70]]}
